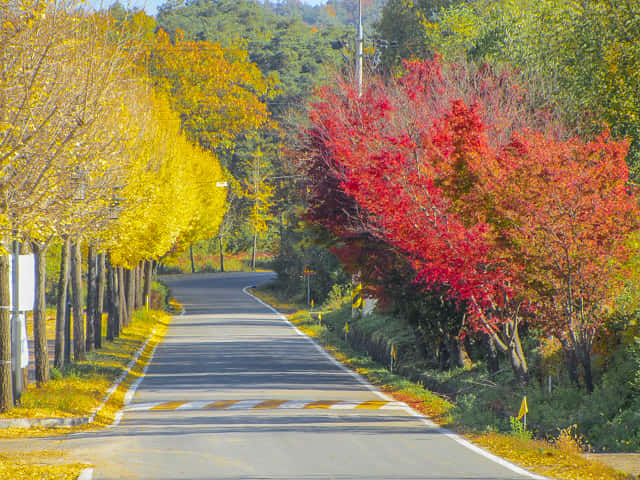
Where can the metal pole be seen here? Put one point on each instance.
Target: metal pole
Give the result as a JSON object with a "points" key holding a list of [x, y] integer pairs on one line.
{"points": [[67, 328], [360, 47], [16, 332]]}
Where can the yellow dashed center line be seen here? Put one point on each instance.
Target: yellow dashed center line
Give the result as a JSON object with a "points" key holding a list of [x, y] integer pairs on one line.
{"points": [[270, 404], [220, 405], [321, 404], [168, 406]]}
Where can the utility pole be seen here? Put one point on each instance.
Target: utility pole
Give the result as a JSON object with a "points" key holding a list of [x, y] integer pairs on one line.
{"points": [[16, 331], [360, 48]]}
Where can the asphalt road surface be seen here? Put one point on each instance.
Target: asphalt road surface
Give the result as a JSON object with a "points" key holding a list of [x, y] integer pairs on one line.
{"points": [[234, 392]]}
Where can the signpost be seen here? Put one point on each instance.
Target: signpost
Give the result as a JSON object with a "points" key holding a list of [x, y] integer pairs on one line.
{"points": [[393, 357], [307, 274], [22, 299]]}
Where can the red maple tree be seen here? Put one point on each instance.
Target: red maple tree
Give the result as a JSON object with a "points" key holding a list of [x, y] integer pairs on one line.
{"points": [[444, 166]]}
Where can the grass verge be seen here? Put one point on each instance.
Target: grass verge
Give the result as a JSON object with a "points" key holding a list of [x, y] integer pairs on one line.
{"points": [[561, 459]]}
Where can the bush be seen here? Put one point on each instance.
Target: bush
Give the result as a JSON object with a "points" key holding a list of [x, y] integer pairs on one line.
{"points": [[159, 296]]}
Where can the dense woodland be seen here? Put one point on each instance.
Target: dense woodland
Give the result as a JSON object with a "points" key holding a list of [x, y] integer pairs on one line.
{"points": [[481, 185]]}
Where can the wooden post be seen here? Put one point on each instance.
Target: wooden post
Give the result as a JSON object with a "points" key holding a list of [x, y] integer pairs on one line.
{"points": [[100, 286], [78, 314], [40, 353], [92, 300], [63, 283]]}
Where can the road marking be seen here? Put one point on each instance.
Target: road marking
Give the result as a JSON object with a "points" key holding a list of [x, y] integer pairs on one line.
{"points": [[220, 405], [293, 404], [244, 405], [194, 405], [269, 404], [372, 405], [424, 419], [168, 406], [321, 404]]}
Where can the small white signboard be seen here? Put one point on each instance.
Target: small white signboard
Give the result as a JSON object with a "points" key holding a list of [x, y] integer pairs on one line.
{"points": [[26, 281]]}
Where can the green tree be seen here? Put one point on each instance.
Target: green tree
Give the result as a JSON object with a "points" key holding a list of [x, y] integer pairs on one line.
{"points": [[581, 56]]}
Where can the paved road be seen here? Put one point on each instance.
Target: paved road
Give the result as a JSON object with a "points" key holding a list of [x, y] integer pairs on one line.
{"points": [[235, 393]]}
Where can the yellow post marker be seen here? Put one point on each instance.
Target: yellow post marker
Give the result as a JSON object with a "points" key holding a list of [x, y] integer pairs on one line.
{"points": [[346, 331], [393, 358], [319, 317], [356, 296], [312, 303], [522, 413]]}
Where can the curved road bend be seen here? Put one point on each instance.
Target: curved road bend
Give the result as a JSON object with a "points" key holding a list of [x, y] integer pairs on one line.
{"points": [[235, 393]]}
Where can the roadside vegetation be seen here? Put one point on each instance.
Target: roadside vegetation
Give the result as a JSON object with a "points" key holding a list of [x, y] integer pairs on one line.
{"points": [[457, 400], [481, 187], [206, 259]]}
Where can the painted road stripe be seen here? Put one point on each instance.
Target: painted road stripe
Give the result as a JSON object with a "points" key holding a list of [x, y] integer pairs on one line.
{"points": [[167, 406], [372, 405], [142, 406], [244, 405], [220, 405], [292, 404], [271, 404], [394, 406], [344, 406], [194, 405], [321, 404]]}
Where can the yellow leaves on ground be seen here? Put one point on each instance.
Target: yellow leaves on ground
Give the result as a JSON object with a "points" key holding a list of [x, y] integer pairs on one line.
{"points": [[84, 388], [41, 466], [542, 458]]}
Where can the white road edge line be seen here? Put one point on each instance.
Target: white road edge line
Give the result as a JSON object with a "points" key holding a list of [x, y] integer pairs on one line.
{"points": [[426, 420], [86, 474], [132, 389]]}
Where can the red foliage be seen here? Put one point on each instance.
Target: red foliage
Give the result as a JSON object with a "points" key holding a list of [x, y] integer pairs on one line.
{"points": [[440, 167], [566, 213]]}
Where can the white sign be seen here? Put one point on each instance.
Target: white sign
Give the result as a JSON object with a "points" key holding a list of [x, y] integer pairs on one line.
{"points": [[26, 281], [222, 184]]}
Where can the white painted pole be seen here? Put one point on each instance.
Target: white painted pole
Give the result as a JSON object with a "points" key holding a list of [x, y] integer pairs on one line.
{"points": [[16, 330]]}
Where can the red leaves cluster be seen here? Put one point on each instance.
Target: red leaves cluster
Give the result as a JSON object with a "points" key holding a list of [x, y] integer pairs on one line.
{"points": [[452, 168]]}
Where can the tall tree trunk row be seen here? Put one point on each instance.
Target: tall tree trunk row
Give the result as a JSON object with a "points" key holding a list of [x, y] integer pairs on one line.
{"points": [[92, 285], [113, 301], [122, 299], [148, 274], [130, 292], [100, 286], [78, 315], [40, 350], [63, 283]]}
